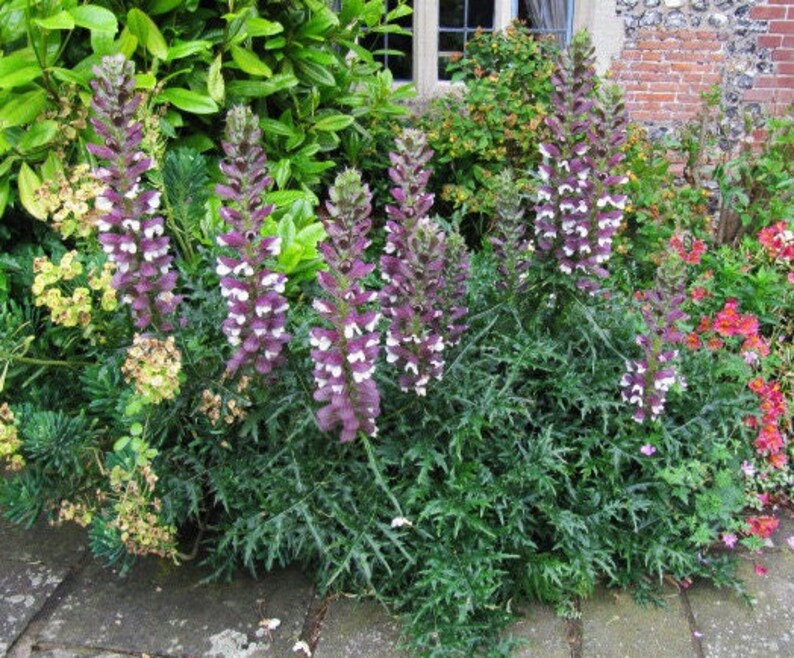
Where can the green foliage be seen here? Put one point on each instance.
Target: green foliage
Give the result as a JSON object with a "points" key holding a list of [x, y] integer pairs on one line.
{"points": [[495, 121], [297, 63]]}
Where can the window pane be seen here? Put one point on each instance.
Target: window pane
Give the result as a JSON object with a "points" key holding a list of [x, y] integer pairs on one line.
{"points": [[480, 14], [451, 13]]}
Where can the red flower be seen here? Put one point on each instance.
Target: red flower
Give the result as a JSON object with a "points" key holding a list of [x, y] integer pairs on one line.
{"points": [[705, 324], [699, 293], [760, 569], [757, 385], [769, 440], [692, 341], [714, 344], [778, 460], [762, 526]]}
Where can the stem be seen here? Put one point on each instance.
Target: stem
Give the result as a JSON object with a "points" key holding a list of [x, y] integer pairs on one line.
{"points": [[4, 356], [378, 475]]}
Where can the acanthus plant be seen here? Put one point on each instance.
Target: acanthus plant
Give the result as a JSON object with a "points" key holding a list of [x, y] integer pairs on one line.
{"points": [[345, 354], [253, 292], [647, 380], [512, 248], [579, 206], [425, 283], [130, 231]]}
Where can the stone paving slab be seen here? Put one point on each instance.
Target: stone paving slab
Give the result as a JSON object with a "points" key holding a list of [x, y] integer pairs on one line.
{"points": [[731, 628], [58, 546], [358, 629], [33, 562], [614, 626], [161, 609], [77, 653], [542, 632], [24, 589]]}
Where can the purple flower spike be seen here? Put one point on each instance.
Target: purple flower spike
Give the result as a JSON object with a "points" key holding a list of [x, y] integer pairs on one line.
{"points": [[130, 232], [579, 209], [345, 354], [424, 284], [647, 381], [256, 307]]}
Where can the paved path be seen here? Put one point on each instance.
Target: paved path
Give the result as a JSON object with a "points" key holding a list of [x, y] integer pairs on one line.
{"points": [[57, 602]]}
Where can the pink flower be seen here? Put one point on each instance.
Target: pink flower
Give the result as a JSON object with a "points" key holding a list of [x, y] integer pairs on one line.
{"points": [[760, 569], [729, 539], [647, 450], [748, 469]]}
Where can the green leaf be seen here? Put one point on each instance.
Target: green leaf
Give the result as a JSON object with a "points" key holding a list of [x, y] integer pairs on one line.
{"points": [[286, 231], [316, 73], [250, 63], [283, 198], [20, 77], [28, 183], [22, 109], [215, 84], [121, 443], [136, 429], [61, 21], [144, 28], [187, 48], [128, 43], [95, 18], [68, 75], [187, 100], [310, 235], [157, 7], [260, 27], [145, 81], [333, 122], [39, 135], [274, 127], [280, 171], [261, 88], [5, 194]]}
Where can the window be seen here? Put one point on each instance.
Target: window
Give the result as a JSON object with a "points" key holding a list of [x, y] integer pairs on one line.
{"points": [[442, 27]]}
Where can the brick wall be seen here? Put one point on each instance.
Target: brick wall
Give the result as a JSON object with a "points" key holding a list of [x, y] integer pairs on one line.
{"points": [[677, 49], [664, 72], [775, 89]]}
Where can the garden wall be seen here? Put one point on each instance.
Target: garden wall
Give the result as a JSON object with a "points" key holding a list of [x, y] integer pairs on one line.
{"points": [[677, 49]]}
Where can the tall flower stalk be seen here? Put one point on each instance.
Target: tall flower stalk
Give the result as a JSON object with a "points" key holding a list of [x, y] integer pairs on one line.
{"points": [[253, 292], [647, 380], [579, 207], [512, 248], [346, 352], [130, 231], [413, 269]]}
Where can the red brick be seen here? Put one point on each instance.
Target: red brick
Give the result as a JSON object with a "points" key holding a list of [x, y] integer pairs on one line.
{"points": [[760, 95], [791, 12], [783, 55], [711, 79], [779, 2], [767, 82], [651, 56], [652, 97], [788, 42], [766, 13], [770, 41], [649, 44], [689, 67], [785, 68], [781, 27]]}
